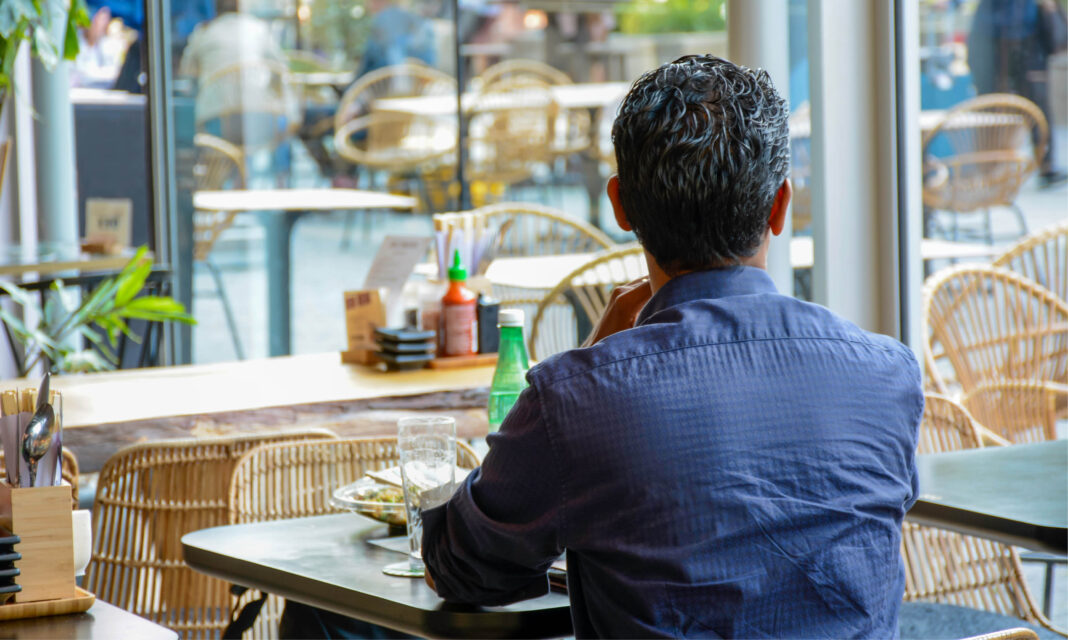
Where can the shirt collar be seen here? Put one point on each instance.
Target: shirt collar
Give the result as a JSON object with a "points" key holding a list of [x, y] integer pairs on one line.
{"points": [[714, 283]]}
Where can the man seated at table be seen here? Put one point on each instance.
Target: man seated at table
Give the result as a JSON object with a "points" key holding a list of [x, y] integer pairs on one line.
{"points": [[723, 460]]}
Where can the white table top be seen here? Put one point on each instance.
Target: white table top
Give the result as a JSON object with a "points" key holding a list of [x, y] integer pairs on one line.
{"points": [[545, 272], [590, 95], [298, 200]]}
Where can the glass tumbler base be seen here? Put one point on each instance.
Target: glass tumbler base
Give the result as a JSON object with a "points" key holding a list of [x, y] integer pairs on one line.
{"points": [[403, 570]]}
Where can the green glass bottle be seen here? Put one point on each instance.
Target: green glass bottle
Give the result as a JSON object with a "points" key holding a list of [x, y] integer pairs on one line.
{"points": [[510, 377]]}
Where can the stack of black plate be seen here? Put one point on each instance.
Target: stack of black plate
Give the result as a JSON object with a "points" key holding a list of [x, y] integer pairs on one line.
{"points": [[405, 348], [8, 560]]}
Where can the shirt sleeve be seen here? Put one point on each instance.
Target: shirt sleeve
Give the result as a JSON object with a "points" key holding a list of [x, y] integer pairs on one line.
{"points": [[494, 540]]}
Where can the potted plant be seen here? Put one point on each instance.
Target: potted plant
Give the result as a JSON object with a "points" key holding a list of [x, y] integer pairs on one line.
{"points": [[99, 317], [37, 21]]}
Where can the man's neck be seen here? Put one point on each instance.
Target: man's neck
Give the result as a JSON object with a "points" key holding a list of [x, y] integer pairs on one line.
{"points": [[658, 277]]}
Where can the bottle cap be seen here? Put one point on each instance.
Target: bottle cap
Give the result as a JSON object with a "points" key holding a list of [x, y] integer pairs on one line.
{"points": [[457, 271], [510, 318]]}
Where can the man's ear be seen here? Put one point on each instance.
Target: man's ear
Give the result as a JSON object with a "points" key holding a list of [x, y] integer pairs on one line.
{"points": [[777, 217], [617, 207]]}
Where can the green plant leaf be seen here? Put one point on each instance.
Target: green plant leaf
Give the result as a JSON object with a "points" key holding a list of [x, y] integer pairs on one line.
{"points": [[85, 361], [100, 342], [43, 47], [21, 296], [12, 12], [77, 17], [130, 284], [156, 308]]}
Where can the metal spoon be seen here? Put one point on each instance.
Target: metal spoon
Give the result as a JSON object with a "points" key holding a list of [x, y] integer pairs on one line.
{"points": [[37, 438]]}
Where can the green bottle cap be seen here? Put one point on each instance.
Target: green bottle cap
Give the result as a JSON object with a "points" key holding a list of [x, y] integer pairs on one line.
{"points": [[456, 271]]}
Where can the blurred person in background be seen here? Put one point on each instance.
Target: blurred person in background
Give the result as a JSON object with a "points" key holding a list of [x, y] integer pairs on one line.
{"points": [[1009, 48]]}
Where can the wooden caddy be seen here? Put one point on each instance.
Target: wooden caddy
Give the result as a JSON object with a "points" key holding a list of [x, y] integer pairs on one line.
{"points": [[41, 517]]}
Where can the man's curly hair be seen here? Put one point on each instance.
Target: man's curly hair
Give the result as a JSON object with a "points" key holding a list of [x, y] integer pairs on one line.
{"points": [[702, 146]]}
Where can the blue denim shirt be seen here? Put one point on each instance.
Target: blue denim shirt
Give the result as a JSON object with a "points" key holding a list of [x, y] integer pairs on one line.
{"points": [[736, 465]]}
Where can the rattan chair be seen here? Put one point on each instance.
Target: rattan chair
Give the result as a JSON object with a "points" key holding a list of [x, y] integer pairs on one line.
{"points": [[511, 132], [566, 315], [994, 143], [987, 324], [219, 165], [1019, 410], [296, 479], [1042, 257], [1019, 633], [573, 127], [147, 497], [950, 568], [252, 103]]}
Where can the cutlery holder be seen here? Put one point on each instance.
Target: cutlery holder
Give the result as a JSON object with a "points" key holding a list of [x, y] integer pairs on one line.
{"points": [[41, 517]]}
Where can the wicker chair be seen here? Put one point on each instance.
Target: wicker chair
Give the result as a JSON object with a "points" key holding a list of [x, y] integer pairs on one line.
{"points": [[527, 230], [996, 141], [249, 100], [987, 324], [296, 479], [567, 314], [951, 568], [1019, 410], [219, 165], [148, 496], [511, 131], [1019, 633], [1042, 257], [573, 127]]}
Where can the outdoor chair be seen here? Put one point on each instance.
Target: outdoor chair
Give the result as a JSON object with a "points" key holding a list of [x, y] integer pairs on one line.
{"points": [[147, 497], [987, 324], [1019, 410], [1019, 633], [954, 578], [980, 154], [219, 165], [1042, 257], [573, 127], [526, 229], [296, 480], [511, 131], [250, 104], [569, 312]]}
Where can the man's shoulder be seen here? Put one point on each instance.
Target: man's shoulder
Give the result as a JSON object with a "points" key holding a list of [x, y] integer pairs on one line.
{"points": [[708, 324]]}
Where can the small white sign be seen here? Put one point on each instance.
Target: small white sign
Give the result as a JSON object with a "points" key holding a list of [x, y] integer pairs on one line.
{"points": [[395, 261], [109, 220]]}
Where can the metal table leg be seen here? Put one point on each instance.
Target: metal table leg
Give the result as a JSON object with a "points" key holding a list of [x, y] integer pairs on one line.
{"points": [[279, 230]]}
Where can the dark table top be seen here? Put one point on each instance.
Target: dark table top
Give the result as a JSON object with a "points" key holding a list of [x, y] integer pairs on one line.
{"points": [[102, 621], [327, 562], [1017, 494]]}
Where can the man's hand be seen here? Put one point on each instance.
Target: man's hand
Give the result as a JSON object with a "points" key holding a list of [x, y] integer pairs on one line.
{"points": [[624, 305]]}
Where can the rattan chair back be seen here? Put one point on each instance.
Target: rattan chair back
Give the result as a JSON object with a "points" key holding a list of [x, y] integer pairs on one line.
{"points": [[1042, 257], [1019, 410], [951, 568], [521, 68], [219, 165], [253, 103], [987, 324], [511, 131], [147, 497], [1019, 633], [396, 142], [995, 142], [296, 480], [396, 81], [581, 296]]}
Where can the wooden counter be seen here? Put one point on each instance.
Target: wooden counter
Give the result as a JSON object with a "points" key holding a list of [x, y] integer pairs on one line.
{"points": [[104, 411]]}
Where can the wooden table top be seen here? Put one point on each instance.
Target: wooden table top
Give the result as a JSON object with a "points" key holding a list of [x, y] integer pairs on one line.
{"points": [[326, 562], [588, 95], [163, 392], [17, 263], [1016, 494], [299, 200], [101, 622]]}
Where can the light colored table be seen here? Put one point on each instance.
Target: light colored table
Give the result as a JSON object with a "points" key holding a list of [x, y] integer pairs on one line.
{"points": [[589, 95], [327, 562], [279, 210], [51, 260], [545, 272], [104, 411]]}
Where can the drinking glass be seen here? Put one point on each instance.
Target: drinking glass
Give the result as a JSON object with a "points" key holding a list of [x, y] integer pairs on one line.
{"points": [[427, 448]]}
